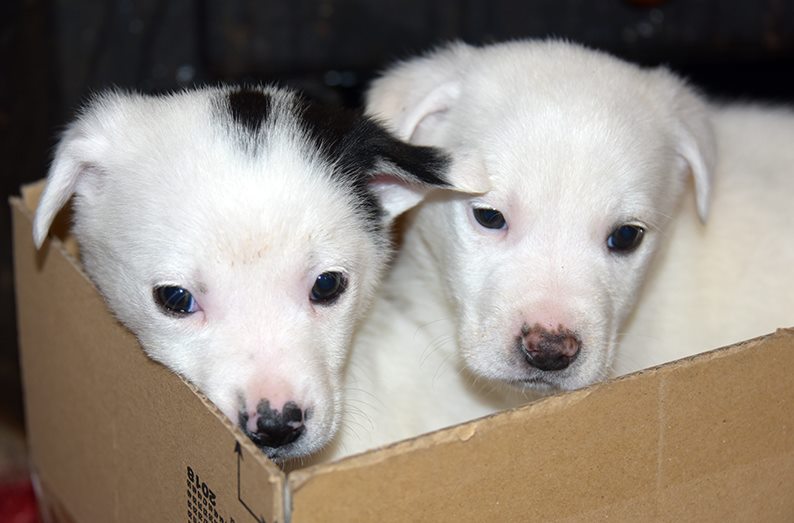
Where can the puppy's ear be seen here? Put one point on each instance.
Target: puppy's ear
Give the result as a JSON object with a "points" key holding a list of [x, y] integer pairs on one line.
{"points": [[77, 157], [413, 98], [403, 174], [72, 160], [693, 134]]}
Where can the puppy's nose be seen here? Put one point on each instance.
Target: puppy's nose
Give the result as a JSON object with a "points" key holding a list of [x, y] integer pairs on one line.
{"points": [[549, 350], [274, 428]]}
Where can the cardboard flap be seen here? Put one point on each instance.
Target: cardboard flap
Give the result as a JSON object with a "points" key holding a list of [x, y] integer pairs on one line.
{"points": [[653, 445], [134, 441]]}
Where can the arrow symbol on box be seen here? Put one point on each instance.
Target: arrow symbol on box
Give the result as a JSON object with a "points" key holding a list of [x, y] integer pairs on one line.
{"points": [[239, 451]]}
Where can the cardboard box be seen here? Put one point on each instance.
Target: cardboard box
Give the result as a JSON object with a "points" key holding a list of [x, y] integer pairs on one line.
{"points": [[117, 437]]}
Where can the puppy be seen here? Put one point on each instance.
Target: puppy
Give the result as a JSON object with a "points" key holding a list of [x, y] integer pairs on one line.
{"points": [[533, 283], [240, 233]]}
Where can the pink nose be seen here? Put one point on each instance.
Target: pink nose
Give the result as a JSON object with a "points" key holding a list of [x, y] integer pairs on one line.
{"points": [[547, 349]]}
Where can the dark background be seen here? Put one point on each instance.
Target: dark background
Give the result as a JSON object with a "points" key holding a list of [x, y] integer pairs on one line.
{"points": [[54, 52]]}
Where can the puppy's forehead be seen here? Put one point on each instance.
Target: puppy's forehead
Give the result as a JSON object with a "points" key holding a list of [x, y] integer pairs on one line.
{"points": [[264, 138], [553, 87], [577, 167], [260, 113], [255, 225], [340, 138], [566, 122], [238, 170]]}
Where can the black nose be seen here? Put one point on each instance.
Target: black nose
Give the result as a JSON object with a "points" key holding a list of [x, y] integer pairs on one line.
{"points": [[275, 428], [549, 350]]}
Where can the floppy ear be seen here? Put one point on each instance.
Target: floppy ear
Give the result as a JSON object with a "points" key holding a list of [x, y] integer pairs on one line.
{"points": [[403, 174], [72, 160], [694, 136], [78, 154], [413, 97]]}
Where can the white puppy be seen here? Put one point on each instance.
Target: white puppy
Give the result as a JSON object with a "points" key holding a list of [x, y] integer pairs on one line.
{"points": [[240, 234], [532, 283]]}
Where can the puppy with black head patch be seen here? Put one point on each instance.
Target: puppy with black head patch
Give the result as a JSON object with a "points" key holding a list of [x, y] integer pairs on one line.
{"points": [[240, 233]]}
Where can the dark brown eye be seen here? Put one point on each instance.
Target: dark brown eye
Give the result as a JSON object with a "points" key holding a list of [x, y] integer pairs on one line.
{"points": [[625, 238], [489, 218], [175, 300], [328, 287]]}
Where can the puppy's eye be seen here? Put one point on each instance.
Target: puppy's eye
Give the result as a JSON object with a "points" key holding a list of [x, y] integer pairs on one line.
{"points": [[625, 238], [489, 218], [328, 287], [175, 300]]}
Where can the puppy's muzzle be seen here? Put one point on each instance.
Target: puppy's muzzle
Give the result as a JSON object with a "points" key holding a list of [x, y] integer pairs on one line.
{"points": [[549, 350], [274, 429]]}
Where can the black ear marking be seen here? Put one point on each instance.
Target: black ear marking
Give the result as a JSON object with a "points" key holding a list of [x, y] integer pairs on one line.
{"points": [[360, 143], [427, 164], [361, 148], [249, 108]]}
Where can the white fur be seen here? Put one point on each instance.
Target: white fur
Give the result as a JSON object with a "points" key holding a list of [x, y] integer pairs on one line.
{"points": [[573, 143], [733, 278], [167, 191]]}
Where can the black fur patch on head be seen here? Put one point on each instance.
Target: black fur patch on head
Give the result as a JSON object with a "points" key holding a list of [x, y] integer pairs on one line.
{"points": [[361, 148], [249, 108]]}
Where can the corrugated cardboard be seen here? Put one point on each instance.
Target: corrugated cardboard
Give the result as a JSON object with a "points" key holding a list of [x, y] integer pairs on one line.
{"points": [[117, 437]]}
